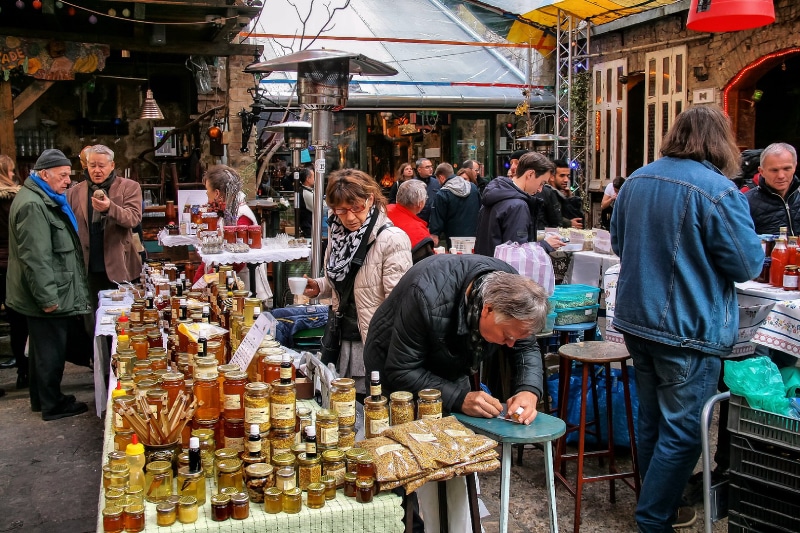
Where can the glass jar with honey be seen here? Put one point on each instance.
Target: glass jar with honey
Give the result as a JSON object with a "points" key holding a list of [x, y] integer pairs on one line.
{"points": [[316, 496], [229, 474], [192, 484], [272, 500], [140, 346], [285, 478], [173, 383], [258, 477], [292, 500], [213, 424], [206, 390], [133, 518], [240, 506], [187, 510], [234, 433], [220, 507], [364, 490], [158, 481], [112, 519], [166, 514], [221, 454], [233, 387]]}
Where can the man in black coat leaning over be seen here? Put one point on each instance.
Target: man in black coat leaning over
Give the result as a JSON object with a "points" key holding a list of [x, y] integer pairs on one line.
{"points": [[447, 314]]}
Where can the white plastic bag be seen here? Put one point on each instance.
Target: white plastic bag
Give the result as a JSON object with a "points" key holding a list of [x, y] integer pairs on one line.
{"points": [[531, 261]]}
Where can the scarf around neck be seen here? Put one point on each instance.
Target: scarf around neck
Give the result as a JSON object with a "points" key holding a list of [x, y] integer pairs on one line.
{"points": [[105, 186], [60, 199], [344, 244], [477, 345]]}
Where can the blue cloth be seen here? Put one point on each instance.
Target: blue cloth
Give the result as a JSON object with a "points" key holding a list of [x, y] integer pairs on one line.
{"points": [[60, 199], [684, 235], [290, 320], [673, 383]]}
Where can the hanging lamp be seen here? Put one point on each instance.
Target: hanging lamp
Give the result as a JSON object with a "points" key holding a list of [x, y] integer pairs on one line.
{"points": [[150, 109], [729, 15]]}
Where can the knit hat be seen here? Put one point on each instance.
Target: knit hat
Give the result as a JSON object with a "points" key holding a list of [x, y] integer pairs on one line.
{"points": [[519, 153], [51, 158]]}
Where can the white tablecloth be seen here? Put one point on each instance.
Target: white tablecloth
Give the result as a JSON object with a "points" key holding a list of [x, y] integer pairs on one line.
{"points": [[165, 239], [103, 328], [780, 329], [264, 255]]}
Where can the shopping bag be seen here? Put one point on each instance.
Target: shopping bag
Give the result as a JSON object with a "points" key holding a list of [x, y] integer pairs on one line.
{"points": [[531, 261]]}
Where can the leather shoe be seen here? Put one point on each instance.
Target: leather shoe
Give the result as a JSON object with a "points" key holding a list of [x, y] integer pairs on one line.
{"points": [[22, 382], [10, 362], [70, 409], [65, 400]]}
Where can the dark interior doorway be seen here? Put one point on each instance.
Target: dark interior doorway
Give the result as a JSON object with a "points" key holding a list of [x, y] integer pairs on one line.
{"points": [[635, 131], [778, 111]]}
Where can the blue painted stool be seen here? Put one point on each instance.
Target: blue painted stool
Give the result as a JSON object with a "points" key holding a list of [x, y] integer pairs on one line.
{"points": [[544, 429]]}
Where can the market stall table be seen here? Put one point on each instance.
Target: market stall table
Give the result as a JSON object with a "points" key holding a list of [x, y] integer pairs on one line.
{"points": [[107, 312], [270, 224], [780, 329]]}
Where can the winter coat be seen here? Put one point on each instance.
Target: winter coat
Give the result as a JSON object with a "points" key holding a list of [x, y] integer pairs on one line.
{"points": [[433, 187], [419, 336], [550, 213], [121, 258], [455, 209], [388, 258], [7, 195], [684, 235], [507, 214], [45, 264], [770, 211]]}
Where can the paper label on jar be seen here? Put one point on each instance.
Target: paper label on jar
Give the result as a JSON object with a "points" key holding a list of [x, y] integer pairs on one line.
{"points": [[337, 474], [387, 448], [436, 416], [344, 409], [282, 411], [457, 433], [423, 437], [276, 450], [118, 421], [255, 415], [377, 426], [328, 436], [254, 446], [233, 401], [237, 443]]}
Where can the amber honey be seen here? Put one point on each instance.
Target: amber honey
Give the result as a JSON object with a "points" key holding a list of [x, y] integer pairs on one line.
{"points": [[273, 500]]}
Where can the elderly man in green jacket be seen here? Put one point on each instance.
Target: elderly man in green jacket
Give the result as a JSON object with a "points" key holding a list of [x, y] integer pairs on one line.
{"points": [[46, 279]]}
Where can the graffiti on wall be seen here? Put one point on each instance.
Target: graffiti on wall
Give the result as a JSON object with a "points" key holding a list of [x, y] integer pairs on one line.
{"points": [[50, 60]]}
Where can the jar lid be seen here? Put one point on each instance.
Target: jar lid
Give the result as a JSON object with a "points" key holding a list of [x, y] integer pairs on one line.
{"points": [[122, 469], [155, 394], [430, 394], [185, 472], [213, 344], [112, 510], [401, 396], [165, 507], [297, 449], [315, 487], [259, 470], [349, 476], [172, 376], [343, 382], [187, 501], [159, 467], [230, 367], [235, 375], [375, 404], [364, 459], [204, 434], [332, 456], [114, 492], [258, 386], [229, 491], [305, 460], [241, 294], [134, 508], [354, 453], [116, 455], [273, 491], [283, 459], [365, 483], [325, 480], [229, 465], [303, 411], [327, 414], [295, 491], [220, 499], [240, 497], [234, 421], [285, 472]]}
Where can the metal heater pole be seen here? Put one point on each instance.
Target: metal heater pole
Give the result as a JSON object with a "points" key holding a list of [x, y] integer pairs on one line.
{"points": [[297, 191], [321, 126]]}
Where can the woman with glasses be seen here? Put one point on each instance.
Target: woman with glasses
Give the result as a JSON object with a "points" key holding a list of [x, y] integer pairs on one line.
{"points": [[359, 223]]}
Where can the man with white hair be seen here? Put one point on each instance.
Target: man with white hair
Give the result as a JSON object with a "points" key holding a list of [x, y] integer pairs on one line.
{"points": [[411, 198], [776, 200]]}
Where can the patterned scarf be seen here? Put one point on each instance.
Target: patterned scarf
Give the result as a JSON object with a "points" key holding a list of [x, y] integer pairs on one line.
{"points": [[476, 344], [60, 199], [345, 243], [105, 186]]}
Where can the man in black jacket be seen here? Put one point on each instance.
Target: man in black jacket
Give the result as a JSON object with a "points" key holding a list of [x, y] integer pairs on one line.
{"points": [[447, 315], [776, 200]]}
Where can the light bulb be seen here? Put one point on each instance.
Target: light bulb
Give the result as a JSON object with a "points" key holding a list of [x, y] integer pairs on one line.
{"points": [[92, 19], [112, 12], [126, 12], [20, 4]]}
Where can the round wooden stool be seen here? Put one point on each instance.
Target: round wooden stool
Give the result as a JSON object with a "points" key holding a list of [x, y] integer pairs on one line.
{"points": [[593, 353]]}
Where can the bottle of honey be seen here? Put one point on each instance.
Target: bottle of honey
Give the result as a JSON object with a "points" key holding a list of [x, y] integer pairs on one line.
{"points": [[780, 256]]}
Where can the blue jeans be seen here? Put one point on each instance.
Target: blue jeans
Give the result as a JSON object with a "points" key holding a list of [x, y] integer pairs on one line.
{"points": [[290, 320], [674, 384]]}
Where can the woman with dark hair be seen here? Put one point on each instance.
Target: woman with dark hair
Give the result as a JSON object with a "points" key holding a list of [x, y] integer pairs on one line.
{"points": [[404, 173], [359, 223], [18, 325], [684, 236]]}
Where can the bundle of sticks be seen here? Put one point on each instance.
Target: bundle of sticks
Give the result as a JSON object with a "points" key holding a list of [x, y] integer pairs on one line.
{"points": [[163, 426]]}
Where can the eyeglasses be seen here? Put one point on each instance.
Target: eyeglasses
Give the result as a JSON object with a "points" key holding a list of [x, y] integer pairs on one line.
{"points": [[340, 211]]}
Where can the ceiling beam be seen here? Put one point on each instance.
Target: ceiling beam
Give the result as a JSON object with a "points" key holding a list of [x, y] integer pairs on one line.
{"points": [[31, 93], [125, 43]]}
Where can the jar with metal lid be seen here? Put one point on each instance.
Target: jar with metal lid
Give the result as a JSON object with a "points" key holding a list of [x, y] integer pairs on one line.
{"points": [[281, 441], [429, 404], [309, 470], [187, 510], [220, 454], [350, 485], [366, 467], [114, 496], [183, 460], [166, 514], [119, 476], [256, 405], [233, 388], [327, 427], [158, 481], [125, 361], [139, 345], [220, 507], [134, 494], [401, 408], [351, 458], [229, 474], [333, 464], [240, 506], [316, 496], [376, 416], [330, 486], [283, 459], [206, 390], [272, 500], [269, 364], [122, 437], [122, 403], [292, 500], [297, 449], [216, 349], [205, 367], [112, 519], [234, 433], [257, 478], [282, 405], [347, 438], [343, 400], [364, 490], [285, 478], [302, 422], [207, 448], [173, 383], [237, 302], [157, 401], [133, 518], [192, 484]]}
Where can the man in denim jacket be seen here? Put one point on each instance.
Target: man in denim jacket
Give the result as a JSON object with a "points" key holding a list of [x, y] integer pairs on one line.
{"points": [[684, 235]]}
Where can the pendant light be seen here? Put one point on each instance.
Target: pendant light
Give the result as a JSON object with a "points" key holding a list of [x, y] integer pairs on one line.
{"points": [[150, 109], [729, 15]]}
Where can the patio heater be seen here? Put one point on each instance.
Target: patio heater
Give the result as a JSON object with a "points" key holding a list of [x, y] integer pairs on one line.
{"points": [[322, 86], [295, 135]]}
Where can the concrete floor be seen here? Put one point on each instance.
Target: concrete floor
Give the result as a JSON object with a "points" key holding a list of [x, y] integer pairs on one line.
{"points": [[50, 475]]}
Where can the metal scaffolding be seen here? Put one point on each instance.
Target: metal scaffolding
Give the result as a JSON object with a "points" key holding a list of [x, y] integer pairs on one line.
{"points": [[572, 49]]}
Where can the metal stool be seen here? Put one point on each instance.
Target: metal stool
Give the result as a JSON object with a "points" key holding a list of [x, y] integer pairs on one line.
{"points": [[589, 354]]}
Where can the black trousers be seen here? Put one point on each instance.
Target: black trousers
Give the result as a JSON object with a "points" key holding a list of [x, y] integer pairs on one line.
{"points": [[49, 338]]}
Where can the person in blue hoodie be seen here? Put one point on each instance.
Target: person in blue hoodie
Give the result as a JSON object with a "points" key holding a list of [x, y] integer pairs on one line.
{"points": [[684, 235], [509, 210], [455, 208]]}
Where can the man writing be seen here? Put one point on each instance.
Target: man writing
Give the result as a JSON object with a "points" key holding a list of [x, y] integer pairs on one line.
{"points": [[46, 279]]}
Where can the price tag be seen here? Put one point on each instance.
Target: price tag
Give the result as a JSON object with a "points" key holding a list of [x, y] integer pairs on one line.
{"points": [[265, 323]]}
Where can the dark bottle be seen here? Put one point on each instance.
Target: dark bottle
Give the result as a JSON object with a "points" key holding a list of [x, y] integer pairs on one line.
{"points": [[375, 385], [148, 298], [286, 369], [311, 442], [202, 347], [205, 317], [182, 309], [194, 455], [254, 441]]}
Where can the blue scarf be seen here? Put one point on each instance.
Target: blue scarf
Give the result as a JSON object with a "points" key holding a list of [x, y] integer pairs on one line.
{"points": [[60, 199]]}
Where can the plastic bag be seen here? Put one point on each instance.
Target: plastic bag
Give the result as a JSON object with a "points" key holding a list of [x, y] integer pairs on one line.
{"points": [[531, 261], [759, 381]]}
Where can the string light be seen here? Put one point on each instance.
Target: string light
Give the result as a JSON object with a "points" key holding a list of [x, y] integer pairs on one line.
{"points": [[755, 64], [20, 4], [126, 13]]}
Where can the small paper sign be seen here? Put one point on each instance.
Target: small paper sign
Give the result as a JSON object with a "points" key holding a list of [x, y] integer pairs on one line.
{"points": [[264, 324]]}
